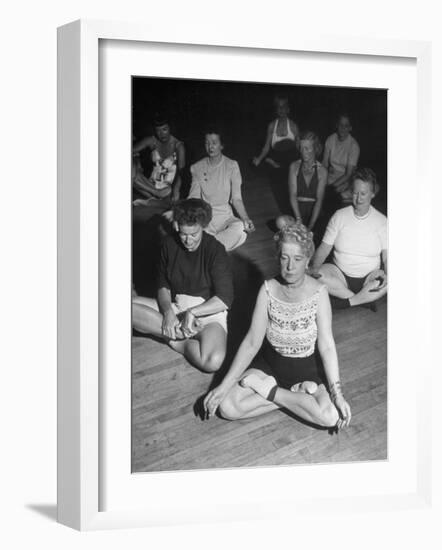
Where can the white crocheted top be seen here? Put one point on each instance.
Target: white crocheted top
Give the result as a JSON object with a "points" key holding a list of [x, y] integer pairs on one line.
{"points": [[292, 329]]}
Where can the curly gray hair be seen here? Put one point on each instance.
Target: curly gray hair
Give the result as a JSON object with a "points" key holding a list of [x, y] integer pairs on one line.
{"points": [[296, 233]]}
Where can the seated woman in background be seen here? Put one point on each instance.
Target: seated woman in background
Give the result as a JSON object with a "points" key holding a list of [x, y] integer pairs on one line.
{"points": [[307, 181], [195, 290], [357, 234], [341, 156], [292, 314], [168, 158], [217, 180], [280, 147]]}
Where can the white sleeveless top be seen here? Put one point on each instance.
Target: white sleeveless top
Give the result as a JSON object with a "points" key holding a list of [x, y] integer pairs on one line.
{"points": [[291, 328], [289, 135]]}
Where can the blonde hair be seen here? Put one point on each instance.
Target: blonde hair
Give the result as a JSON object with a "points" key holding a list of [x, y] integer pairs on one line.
{"points": [[296, 233]]}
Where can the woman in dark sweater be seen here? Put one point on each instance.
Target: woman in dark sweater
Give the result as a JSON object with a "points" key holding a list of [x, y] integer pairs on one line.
{"points": [[195, 290]]}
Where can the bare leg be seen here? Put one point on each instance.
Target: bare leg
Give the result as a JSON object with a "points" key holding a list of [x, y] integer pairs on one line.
{"points": [[145, 316], [368, 293], [272, 162], [244, 402], [335, 281], [336, 284], [317, 408], [206, 350], [230, 235]]}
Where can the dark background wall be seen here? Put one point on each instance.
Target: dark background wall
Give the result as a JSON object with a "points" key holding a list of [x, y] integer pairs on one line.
{"points": [[243, 111]]}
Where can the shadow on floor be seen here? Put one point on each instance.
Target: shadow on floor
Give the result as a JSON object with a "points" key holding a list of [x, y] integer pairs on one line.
{"points": [[49, 511]]}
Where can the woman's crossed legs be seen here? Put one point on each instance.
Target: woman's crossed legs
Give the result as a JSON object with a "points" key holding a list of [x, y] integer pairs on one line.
{"points": [[338, 286], [245, 402], [206, 349]]}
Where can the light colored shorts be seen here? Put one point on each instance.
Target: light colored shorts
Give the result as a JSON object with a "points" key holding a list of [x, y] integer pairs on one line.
{"points": [[183, 302]]}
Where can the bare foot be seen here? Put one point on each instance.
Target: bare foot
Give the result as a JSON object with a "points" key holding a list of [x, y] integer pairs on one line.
{"points": [[273, 163], [262, 386], [305, 387]]}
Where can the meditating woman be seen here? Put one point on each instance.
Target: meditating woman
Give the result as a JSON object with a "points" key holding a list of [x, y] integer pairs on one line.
{"points": [[357, 234], [292, 314], [341, 156], [217, 180], [167, 157], [307, 181], [280, 147], [195, 290]]}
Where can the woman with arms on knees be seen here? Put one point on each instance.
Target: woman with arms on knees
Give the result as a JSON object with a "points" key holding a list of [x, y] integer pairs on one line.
{"points": [[307, 181], [357, 234], [195, 289], [280, 146], [341, 156], [217, 180], [292, 314], [168, 158]]}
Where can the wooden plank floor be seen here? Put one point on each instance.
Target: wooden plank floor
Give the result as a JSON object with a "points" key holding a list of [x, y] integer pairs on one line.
{"points": [[167, 430]]}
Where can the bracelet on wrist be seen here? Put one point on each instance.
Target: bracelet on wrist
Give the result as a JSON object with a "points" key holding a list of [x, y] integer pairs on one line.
{"points": [[335, 390]]}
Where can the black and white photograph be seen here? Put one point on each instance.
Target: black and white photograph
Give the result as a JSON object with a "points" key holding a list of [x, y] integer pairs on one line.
{"points": [[259, 274]]}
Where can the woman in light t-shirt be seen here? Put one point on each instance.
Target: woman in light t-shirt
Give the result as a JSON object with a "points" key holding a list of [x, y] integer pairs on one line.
{"points": [[341, 156], [357, 234]]}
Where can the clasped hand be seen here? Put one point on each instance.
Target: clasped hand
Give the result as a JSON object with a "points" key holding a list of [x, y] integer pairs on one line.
{"points": [[249, 226], [181, 326], [189, 324], [380, 276]]}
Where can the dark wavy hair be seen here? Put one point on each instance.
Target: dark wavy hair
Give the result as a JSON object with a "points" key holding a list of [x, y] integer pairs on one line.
{"points": [[192, 212], [160, 118], [216, 130], [296, 233], [368, 176], [311, 136]]}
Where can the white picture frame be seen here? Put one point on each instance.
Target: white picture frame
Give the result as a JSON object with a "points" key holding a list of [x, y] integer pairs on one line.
{"points": [[80, 464]]}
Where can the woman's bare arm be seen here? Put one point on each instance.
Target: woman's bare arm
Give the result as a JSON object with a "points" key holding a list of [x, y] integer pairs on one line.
{"points": [[322, 177], [252, 341], [266, 148], [142, 144], [293, 189]]}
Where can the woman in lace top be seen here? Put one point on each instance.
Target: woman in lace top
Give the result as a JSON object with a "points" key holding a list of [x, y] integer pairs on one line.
{"points": [[292, 314]]}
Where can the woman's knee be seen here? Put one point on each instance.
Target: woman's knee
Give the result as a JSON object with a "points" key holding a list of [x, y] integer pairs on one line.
{"points": [[213, 360], [229, 409], [329, 416]]}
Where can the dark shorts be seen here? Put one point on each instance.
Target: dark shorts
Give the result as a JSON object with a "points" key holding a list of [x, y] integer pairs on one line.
{"points": [[284, 152], [355, 284], [289, 370]]}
